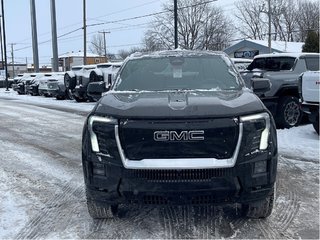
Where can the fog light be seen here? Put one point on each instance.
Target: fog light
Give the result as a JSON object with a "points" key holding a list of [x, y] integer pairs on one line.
{"points": [[260, 167], [98, 169]]}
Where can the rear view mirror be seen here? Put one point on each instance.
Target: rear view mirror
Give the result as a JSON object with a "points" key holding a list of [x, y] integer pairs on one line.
{"points": [[95, 90], [260, 85]]}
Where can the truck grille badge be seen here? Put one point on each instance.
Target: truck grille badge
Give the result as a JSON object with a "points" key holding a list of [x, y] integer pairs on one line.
{"points": [[165, 136]]}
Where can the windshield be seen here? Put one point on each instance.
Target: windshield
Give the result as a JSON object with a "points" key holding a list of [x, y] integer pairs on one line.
{"points": [[177, 73], [272, 63]]}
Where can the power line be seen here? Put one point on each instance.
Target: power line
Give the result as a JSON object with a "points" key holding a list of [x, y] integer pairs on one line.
{"points": [[112, 13], [148, 15]]}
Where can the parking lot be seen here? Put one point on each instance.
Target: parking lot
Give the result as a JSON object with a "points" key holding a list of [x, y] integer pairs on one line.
{"points": [[42, 188]]}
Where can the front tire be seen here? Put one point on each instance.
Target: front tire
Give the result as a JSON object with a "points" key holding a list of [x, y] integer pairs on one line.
{"points": [[69, 82], [261, 209], [69, 94], [289, 113], [98, 212]]}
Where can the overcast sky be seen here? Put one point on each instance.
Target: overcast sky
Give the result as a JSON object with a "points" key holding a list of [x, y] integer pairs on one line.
{"points": [[123, 35]]}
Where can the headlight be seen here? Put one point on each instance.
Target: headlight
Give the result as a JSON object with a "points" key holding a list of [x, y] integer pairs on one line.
{"points": [[256, 131], [95, 123]]}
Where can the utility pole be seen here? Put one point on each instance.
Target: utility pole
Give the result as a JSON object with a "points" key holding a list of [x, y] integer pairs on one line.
{"points": [[34, 36], [105, 44], [4, 45], [176, 24], [1, 46], [84, 34], [55, 62], [12, 56], [269, 30]]}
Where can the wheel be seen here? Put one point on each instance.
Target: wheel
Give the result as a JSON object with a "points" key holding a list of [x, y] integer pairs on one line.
{"points": [[69, 82], [98, 212], [69, 94], [289, 113], [316, 125], [261, 209]]}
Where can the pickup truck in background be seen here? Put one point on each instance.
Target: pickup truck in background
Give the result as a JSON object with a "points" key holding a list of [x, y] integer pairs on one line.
{"points": [[283, 71], [309, 88]]}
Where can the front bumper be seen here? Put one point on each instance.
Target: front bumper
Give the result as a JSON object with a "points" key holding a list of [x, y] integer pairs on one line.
{"points": [[80, 91], [312, 109], [32, 89], [108, 182], [19, 87]]}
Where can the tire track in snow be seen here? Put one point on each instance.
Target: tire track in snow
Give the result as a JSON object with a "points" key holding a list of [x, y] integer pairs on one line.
{"points": [[43, 222]]}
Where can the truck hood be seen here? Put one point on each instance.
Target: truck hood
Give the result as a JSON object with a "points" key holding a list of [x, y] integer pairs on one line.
{"points": [[178, 104]]}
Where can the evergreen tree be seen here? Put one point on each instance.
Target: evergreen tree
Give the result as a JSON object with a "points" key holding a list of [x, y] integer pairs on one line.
{"points": [[311, 43]]}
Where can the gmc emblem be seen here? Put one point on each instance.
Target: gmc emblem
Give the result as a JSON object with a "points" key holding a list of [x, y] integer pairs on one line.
{"points": [[165, 136]]}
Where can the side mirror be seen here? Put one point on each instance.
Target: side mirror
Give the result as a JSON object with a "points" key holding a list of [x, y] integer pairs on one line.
{"points": [[260, 85], [95, 90]]}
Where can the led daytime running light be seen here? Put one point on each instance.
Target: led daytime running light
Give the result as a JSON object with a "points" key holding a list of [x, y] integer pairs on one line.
{"points": [[265, 133], [93, 136]]}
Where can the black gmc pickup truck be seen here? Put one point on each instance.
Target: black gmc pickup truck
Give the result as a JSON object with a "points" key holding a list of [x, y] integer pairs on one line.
{"points": [[180, 127]]}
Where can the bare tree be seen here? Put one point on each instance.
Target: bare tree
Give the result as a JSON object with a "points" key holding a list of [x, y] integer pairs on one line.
{"points": [[97, 44], [290, 19], [201, 26], [252, 19], [308, 18]]}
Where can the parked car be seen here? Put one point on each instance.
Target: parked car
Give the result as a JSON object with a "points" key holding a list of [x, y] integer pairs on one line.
{"points": [[180, 127], [53, 86], [97, 74], [102, 79], [283, 70], [32, 87], [241, 63], [309, 86], [20, 86], [73, 78]]}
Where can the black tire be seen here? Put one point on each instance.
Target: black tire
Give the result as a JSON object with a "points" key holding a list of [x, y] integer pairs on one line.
{"points": [[289, 113], [98, 212], [316, 125], [69, 82], [261, 209], [69, 94]]}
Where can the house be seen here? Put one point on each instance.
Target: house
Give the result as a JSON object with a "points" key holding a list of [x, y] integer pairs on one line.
{"points": [[68, 60], [248, 48]]}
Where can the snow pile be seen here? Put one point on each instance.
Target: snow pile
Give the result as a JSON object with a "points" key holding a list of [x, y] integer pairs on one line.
{"points": [[300, 143]]}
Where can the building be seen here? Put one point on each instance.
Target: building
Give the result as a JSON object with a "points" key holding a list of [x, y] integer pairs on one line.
{"points": [[68, 60], [248, 48]]}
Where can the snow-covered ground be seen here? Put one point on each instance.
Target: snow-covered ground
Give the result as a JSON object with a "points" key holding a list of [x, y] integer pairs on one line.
{"points": [[45, 101], [42, 192], [299, 143]]}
